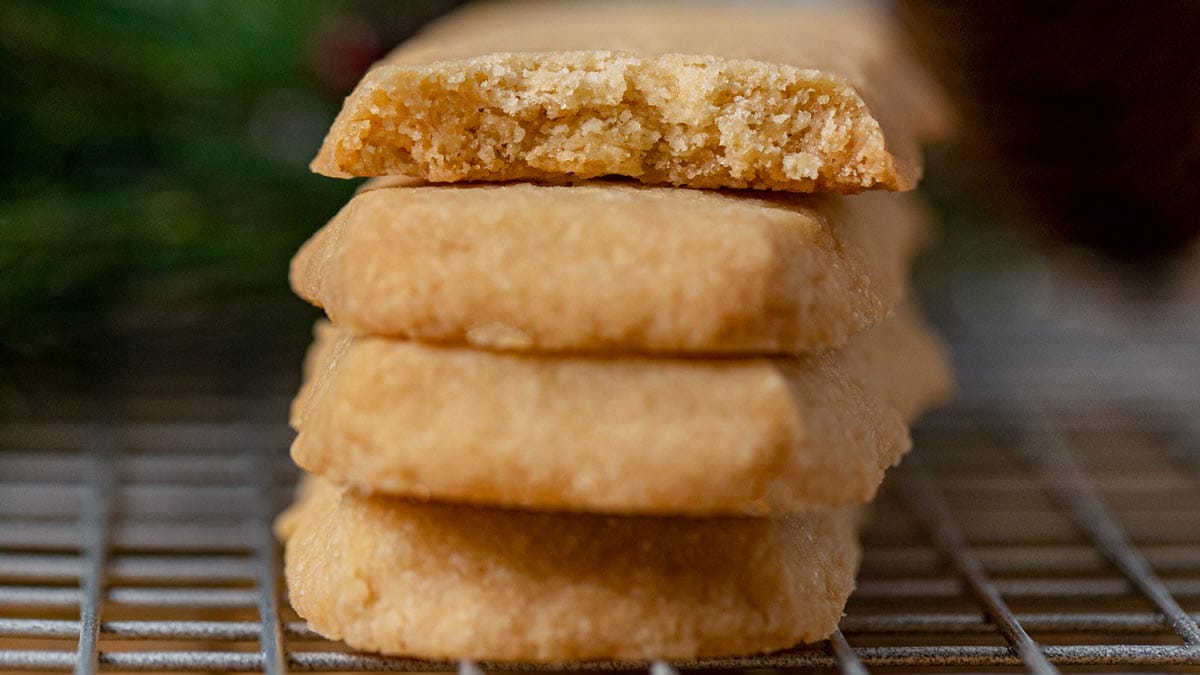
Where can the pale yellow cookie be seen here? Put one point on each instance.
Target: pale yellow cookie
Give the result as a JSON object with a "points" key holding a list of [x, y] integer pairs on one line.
{"points": [[612, 267], [622, 434], [806, 97], [455, 582]]}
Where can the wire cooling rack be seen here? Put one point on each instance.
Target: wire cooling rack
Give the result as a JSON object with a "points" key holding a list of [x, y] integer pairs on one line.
{"points": [[1050, 519]]}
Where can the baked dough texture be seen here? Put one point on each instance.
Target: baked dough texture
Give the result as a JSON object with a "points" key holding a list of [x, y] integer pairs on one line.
{"points": [[803, 98], [602, 267], [623, 434], [447, 581]]}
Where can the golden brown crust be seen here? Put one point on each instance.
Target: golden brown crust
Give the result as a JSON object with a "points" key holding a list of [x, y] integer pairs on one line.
{"points": [[809, 98], [910, 366], [622, 434], [602, 267], [444, 581]]}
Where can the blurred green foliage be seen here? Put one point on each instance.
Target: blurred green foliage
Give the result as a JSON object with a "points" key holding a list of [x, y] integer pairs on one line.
{"points": [[153, 153]]}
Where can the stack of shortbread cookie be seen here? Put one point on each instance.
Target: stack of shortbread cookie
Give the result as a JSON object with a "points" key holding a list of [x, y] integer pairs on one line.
{"points": [[610, 414]]}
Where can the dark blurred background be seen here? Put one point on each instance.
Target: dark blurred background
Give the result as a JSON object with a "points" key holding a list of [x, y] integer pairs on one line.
{"points": [[154, 181], [1078, 116], [153, 160]]}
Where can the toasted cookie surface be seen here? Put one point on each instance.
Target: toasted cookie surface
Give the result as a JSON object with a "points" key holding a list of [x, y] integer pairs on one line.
{"points": [[620, 434], [611, 267], [447, 581], [816, 96]]}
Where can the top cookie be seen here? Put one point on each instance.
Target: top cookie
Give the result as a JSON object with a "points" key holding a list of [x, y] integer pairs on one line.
{"points": [[803, 98]]}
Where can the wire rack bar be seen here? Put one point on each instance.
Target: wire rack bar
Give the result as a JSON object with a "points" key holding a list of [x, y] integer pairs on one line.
{"points": [[1049, 588], [1049, 557], [209, 567], [270, 639], [902, 657], [97, 519], [905, 657], [855, 624], [147, 597], [217, 567], [883, 590], [922, 495], [1092, 622], [195, 630], [841, 651], [656, 668]]}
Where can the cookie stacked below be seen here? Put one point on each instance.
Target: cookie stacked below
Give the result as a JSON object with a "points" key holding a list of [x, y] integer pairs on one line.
{"points": [[608, 418]]}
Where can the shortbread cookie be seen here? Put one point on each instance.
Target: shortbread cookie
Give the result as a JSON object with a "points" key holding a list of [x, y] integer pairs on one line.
{"points": [[906, 363], [809, 97], [455, 582], [611, 267], [621, 434]]}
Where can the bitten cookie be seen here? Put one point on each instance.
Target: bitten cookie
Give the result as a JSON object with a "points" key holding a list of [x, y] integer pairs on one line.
{"points": [[454, 582], [621, 434], [803, 98], [611, 267]]}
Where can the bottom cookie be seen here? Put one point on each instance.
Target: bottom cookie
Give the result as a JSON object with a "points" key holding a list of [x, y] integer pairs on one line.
{"points": [[447, 581]]}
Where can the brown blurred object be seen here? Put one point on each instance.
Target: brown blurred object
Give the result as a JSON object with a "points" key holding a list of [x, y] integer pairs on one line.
{"points": [[1085, 113]]}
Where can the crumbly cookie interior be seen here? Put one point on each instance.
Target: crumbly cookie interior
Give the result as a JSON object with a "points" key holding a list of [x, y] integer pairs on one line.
{"points": [[695, 121]]}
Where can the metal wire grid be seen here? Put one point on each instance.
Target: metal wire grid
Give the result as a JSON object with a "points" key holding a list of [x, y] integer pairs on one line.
{"points": [[1025, 532], [197, 557]]}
